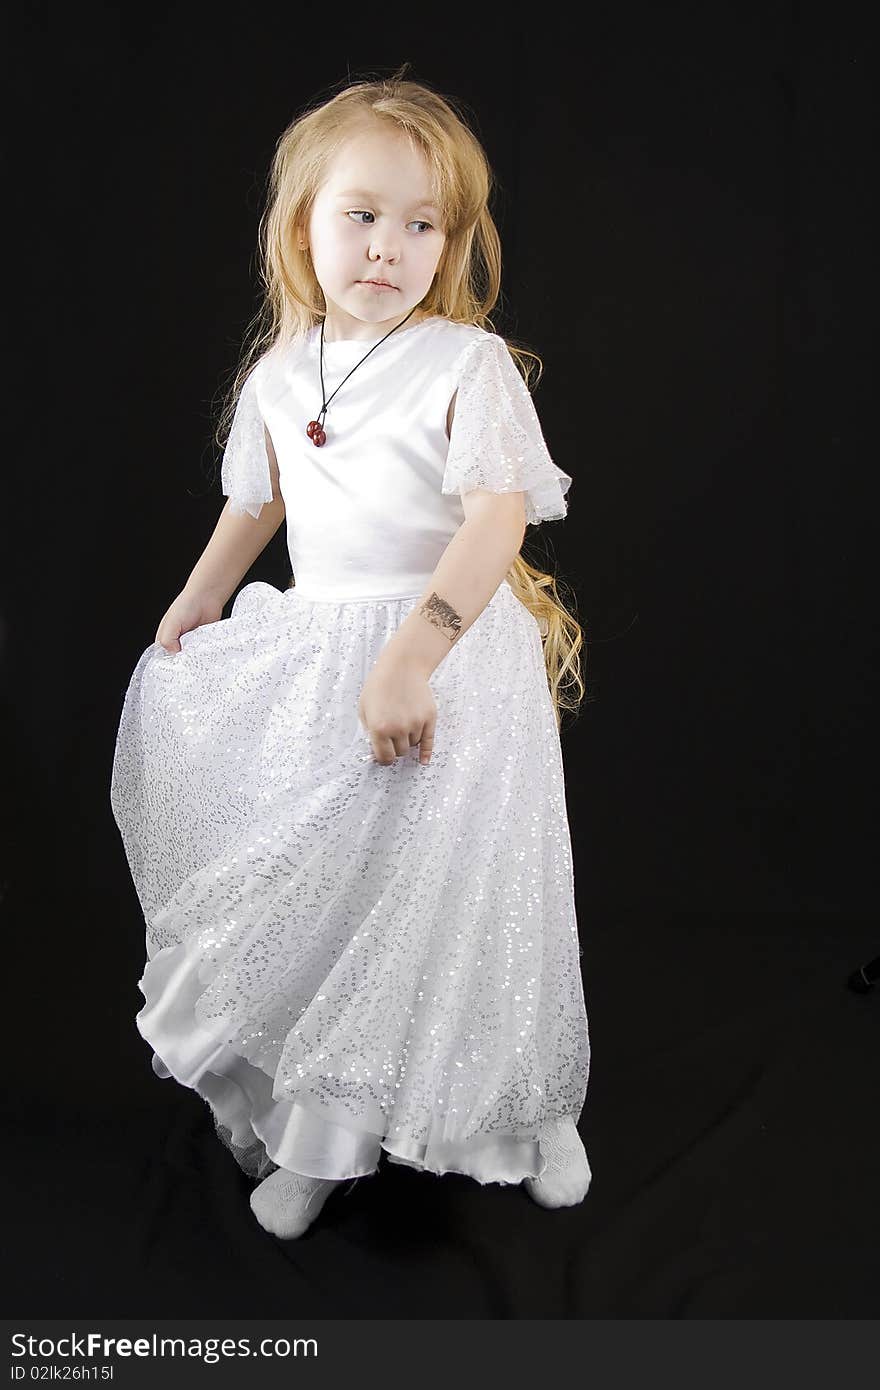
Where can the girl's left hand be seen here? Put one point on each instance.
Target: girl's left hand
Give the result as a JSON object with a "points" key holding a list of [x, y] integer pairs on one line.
{"points": [[398, 711]]}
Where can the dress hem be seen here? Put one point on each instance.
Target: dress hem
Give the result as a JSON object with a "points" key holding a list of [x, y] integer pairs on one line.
{"points": [[293, 1133]]}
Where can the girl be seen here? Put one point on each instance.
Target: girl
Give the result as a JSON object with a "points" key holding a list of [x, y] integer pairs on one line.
{"points": [[343, 806]]}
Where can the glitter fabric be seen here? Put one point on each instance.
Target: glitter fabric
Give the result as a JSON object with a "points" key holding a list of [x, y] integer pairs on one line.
{"points": [[347, 958]]}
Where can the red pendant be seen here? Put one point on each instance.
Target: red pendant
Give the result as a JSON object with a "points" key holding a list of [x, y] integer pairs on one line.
{"points": [[315, 433]]}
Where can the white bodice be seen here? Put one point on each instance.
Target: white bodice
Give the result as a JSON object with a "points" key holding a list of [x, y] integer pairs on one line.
{"points": [[370, 512]]}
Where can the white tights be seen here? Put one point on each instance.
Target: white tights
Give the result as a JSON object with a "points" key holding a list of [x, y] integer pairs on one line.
{"points": [[286, 1204]]}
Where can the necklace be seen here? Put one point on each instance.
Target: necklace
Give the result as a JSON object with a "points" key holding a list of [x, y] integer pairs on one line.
{"points": [[315, 429]]}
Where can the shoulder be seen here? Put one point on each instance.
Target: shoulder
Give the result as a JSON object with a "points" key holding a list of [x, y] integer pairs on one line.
{"points": [[254, 377], [262, 379], [479, 363], [467, 336], [469, 347]]}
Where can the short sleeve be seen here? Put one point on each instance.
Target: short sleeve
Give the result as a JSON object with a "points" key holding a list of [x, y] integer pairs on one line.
{"points": [[496, 440], [246, 479]]}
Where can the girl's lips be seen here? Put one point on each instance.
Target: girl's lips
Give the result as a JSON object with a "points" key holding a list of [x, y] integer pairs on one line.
{"points": [[371, 285]]}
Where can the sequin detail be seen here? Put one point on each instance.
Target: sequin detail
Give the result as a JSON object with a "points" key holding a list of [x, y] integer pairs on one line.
{"points": [[394, 945], [244, 472], [496, 440]]}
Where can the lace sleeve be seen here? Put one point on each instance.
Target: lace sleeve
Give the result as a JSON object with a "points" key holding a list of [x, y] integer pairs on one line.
{"points": [[245, 475], [496, 440]]}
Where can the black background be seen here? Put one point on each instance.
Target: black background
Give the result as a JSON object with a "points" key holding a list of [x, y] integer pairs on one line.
{"points": [[685, 201]]}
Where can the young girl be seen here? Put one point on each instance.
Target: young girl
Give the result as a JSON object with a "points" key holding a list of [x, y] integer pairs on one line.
{"points": [[343, 806]]}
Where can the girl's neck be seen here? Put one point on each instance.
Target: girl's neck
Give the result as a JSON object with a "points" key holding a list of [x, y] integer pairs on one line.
{"points": [[347, 336]]}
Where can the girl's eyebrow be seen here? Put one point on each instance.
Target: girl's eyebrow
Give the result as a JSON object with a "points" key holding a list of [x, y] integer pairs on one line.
{"points": [[366, 193]]}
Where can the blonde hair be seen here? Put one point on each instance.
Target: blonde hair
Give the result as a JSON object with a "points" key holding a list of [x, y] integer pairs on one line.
{"points": [[465, 287]]}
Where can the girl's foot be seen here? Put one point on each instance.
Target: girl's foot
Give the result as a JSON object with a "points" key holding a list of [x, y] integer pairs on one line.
{"points": [[286, 1204], [567, 1176]]}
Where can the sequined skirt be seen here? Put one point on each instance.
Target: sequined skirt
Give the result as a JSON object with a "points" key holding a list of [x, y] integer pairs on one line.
{"points": [[346, 958]]}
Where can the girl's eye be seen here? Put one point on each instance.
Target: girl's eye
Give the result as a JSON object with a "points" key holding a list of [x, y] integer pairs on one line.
{"points": [[358, 212]]}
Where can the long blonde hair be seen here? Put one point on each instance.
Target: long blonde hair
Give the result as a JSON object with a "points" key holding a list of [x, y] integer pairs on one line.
{"points": [[465, 287]]}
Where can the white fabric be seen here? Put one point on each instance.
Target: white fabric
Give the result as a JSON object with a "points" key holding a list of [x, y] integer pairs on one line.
{"points": [[566, 1179], [245, 468], [294, 1132], [496, 440], [347, 958], [286, 1204], [390, 521]]}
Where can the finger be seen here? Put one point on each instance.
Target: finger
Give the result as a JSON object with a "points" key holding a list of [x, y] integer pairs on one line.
{"points": [[401, 745], [383, 749], [427, 742]]}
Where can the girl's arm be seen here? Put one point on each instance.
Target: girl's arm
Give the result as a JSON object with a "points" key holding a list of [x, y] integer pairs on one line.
{"points": [[495, 442], [237, 541], [232, 549], [467, 575]]}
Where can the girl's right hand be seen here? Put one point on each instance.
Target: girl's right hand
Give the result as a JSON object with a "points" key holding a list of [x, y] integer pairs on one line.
{"points": [[188, 611]]}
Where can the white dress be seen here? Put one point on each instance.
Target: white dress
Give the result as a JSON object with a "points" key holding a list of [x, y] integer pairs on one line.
{"points": [[343, 957]]}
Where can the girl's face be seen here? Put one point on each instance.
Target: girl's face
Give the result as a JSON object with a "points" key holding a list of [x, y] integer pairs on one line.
{"points": [[369, 221]]}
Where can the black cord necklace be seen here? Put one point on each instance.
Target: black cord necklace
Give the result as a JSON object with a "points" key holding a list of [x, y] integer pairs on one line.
{"points": [[315, 429]]}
